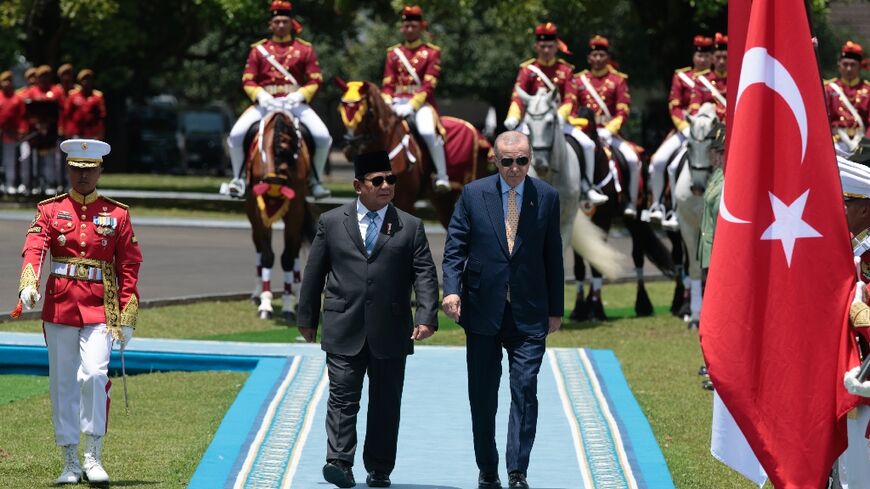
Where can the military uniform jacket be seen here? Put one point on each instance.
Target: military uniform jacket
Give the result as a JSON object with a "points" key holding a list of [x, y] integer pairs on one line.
{"points": [[701, 94], [680, 96], [858, 94], [709, 216], [87, 246], [398, 82], [559, 72], [295, 55], [85, 114], [367, 299], [12, 121], [612, 87]]}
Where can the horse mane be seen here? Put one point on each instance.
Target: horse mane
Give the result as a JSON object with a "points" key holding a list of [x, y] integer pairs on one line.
{"points": [[284, 153], [382, 117]]}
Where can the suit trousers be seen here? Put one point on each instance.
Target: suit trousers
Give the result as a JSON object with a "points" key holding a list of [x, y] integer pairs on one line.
{"points": [[483, 358], [386, 380]]}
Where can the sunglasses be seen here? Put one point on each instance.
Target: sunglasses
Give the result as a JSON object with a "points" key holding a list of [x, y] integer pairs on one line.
{"points": [[380, 179], [519, 160]]}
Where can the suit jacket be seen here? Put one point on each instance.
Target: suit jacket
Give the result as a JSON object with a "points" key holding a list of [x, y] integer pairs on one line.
{"points": [[477, 265], [368, 298]]}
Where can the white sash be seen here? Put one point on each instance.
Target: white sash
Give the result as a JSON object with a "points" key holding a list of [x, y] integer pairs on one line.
{"points": [[688, 81], [544, 78], [278, 66], [404, 60], [596, 97], [848, 104], [716, 94]]}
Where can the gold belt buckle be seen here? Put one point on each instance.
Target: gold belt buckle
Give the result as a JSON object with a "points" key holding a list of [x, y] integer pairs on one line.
{"points": [[82, 272]]}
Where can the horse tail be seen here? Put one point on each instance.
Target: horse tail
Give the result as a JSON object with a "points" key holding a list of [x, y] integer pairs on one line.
{"points": [[652, 246], [588, 240]]}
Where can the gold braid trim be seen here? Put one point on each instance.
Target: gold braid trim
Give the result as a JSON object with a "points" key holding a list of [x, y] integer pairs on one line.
{"points": [[859, 315], [130, 312], [111, 301], [28, 277]]}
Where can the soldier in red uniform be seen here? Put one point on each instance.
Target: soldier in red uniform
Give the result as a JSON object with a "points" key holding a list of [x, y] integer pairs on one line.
{"points": [[29, 80], [682, 84], [86, 109], [604, 90], [712, 86], [411, 73], [47, 162], [848, 98], [548, 72], [12, 128], [281, 73], [91, 301], [66, 83]]}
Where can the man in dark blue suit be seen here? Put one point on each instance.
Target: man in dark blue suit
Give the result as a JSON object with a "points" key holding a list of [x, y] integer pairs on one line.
{"points": [[504, 283]]}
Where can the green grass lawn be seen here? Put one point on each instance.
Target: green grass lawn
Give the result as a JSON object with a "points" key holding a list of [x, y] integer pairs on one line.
{"points": [[172, 420], [659, 357]]}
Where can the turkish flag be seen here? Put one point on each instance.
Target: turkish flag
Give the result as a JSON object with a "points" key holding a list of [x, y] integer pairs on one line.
{"points": [[774, 322]]}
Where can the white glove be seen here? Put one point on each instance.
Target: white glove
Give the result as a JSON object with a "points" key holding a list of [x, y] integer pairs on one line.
{"points": [[29, 297], [126, 335], [403, 110], [605, 135], [850, 382], [265, 100], [295, 98], [511, 123], [686, 132]]}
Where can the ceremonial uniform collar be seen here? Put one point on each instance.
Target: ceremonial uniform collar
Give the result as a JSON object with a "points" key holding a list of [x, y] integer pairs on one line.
{"points": [[413, 44], [286, 39], [720, 74], [599, 73], [83, 199], [851, 83], [546, 63]]}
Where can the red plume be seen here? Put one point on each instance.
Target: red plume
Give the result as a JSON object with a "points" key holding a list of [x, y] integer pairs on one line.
{"points": [[339, 81], [16, 313]]}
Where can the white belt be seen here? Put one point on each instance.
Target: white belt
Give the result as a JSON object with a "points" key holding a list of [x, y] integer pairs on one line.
{"points": [[80, 272]]}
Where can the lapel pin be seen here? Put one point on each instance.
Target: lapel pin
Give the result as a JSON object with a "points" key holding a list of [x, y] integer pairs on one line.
{"points": [[389, 228]]}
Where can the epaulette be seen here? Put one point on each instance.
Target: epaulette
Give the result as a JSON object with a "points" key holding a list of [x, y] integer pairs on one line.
{"points": [[617, 72], [303, 41], [527, 62], [562, 61], [119, 204], [261, 41], [75, 90], [683, 70], [394, 46], [52, 199], [866, 83], [832, 80], [434, 46], [98, 93]]}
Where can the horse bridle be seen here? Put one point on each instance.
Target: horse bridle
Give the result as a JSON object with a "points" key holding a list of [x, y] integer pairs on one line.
{"points": [[710, 136]]}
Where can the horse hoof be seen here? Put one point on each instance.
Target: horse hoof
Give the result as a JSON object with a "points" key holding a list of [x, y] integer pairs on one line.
{"points": [[289, 316], [264, 315]]}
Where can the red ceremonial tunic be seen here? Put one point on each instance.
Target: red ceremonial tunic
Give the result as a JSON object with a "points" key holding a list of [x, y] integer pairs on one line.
{"points": [[681, 96], [559, 73], [12, 121], [858, 93], [612, 87], [701, 94], [298, 59], [398, 82], [88, 233], [85, 114]]}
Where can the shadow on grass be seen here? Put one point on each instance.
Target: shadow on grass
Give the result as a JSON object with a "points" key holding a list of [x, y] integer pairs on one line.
{"points": [[613, 315]]}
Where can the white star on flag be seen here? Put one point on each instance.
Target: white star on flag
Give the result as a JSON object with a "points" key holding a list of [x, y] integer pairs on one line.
{"points": [[788, 225]]}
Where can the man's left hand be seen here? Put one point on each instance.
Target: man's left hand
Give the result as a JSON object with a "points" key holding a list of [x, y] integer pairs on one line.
{"points": [[403, 110], [295, 98], [310, 334], [421, 332], [126, 335], [851, 383], [555, 324]]}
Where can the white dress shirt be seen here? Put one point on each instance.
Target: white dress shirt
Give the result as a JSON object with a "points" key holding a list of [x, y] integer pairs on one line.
{"points": [[363, 221]]}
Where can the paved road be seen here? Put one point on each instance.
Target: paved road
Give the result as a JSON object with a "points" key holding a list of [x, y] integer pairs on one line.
{"points": [[187, 259]]}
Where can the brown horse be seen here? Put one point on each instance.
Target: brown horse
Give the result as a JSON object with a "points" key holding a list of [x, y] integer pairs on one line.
{"points": [[372, 126], [277, 167]]}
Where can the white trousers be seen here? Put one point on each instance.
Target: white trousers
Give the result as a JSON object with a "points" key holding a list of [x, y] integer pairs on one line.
{"points": [[10, 166], [303, 112], [79, 385], [855, 461], [633, 161], [660, 159], [424, 119]]}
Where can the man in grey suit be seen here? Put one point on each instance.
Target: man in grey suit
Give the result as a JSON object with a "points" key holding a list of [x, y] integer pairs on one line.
{"points": [[369, 254]]}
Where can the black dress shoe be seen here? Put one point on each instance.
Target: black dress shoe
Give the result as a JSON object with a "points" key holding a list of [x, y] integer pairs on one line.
{"points": [[702, 370], [707, 385], [376, 478], [517, 479], [488, 480], [339, 472]]}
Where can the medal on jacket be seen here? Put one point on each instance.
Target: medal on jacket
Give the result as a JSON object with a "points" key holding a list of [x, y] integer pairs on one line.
{"points": [[105, 224], [61, 239]]}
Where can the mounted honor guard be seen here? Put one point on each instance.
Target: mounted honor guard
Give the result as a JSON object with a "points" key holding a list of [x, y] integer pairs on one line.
{"points": [[712, 86], [411, 73], [282, 73], [91, 301], [604, 90], [848, 98], [682, 85]]}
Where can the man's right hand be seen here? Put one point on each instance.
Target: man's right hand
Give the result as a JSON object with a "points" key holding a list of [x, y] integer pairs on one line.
{"points": [[853, 386], [265, 100], [452, 306], [310, 334], [29, 297], [511, 123]]}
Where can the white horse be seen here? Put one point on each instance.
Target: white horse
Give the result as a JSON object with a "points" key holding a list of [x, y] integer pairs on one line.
{"points": [[555, 162], [689, 196]]}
